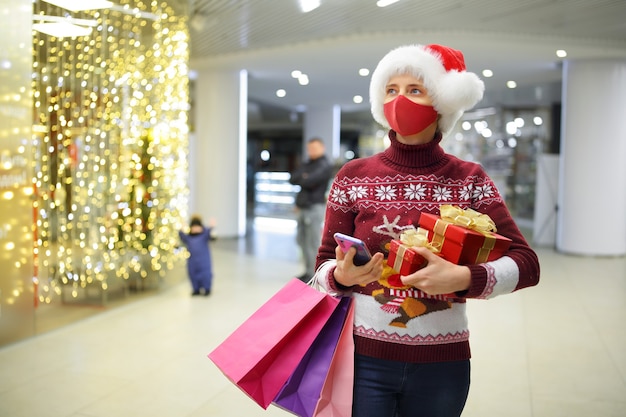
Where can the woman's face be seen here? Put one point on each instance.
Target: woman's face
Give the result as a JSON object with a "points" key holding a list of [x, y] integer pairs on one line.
{"points": [[409, 86], [411, 116]]}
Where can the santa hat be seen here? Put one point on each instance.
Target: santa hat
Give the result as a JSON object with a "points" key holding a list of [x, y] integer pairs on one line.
{"points": [[442, 70]]}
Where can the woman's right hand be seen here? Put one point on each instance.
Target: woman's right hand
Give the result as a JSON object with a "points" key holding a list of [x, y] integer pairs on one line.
{"points": [[348, 274]]}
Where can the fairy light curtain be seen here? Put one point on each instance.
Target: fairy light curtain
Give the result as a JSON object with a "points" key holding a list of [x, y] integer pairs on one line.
{"points": [[110, 146]]}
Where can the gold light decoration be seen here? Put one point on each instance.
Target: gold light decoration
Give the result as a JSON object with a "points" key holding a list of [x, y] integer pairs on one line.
{"points": [[110, 142]]}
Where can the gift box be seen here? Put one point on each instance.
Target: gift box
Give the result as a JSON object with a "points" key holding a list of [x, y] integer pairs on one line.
{"points": [[403, 259], [460, 244]]}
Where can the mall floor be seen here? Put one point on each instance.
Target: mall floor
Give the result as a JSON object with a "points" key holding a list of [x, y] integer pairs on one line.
{"points": [[556, 350]]}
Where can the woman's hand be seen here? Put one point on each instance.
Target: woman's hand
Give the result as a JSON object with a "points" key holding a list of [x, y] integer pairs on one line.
{"points": [[348, 274], [438, 276]]}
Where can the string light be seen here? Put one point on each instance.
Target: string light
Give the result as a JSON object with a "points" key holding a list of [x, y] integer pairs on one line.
{"points": [[110, 163]]}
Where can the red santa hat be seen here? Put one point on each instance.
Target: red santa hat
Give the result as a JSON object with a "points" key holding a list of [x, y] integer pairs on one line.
{"points": [[442, 70]]}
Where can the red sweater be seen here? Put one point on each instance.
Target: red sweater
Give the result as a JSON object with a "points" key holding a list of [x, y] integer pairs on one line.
{"points": [[378, 197]]}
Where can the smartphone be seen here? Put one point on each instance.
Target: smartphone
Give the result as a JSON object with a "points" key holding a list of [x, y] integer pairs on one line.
{"points": [[346, 242]]}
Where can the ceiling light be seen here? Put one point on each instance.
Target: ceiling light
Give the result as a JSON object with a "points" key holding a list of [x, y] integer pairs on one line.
{"points": [[303, 79], [281, 93], [385, 3], [561, 53], [62, 29], [511, 128], [480, 125], [309, 5], [198, 22], [78, 5], [60, 19], [296, 74], [511, 84], [364, 72], [487, 73], [357, 99]]}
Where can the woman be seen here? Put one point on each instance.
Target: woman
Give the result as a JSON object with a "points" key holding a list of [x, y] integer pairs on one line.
{"points": [[412, 351]]}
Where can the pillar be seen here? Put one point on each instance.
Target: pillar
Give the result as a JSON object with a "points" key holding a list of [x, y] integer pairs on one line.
{"points": [[218, 163], [592, 178], [546, 197], [325, 123], [19, 277]]}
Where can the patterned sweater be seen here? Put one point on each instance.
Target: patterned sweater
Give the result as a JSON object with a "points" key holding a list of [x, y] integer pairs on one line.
{"points": [[378, 197]]}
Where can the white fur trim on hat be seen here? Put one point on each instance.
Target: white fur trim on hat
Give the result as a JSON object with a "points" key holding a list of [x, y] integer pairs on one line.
{"points": [[452, 91]]}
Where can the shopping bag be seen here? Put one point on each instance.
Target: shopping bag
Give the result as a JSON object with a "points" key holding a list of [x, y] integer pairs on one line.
{"points": [[336, 396], [261, 354], [302, 390]]}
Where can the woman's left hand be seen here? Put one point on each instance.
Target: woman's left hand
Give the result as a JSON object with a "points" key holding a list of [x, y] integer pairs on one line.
{"points": [[438, 276]]}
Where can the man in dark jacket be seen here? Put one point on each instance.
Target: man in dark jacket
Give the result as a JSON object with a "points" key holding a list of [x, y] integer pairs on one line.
{"points": [[312, 177]]}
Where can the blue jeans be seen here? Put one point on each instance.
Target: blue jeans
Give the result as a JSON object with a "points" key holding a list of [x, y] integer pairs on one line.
{"points": [[397, 389]]}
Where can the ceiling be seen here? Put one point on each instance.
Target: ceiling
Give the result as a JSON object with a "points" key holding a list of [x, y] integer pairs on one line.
{"points": [[516, 39]]}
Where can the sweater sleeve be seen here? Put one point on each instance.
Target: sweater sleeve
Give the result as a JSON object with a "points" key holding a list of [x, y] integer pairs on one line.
{"points": [[335, 220], [324, 279], [206, 234], [517, 269]]}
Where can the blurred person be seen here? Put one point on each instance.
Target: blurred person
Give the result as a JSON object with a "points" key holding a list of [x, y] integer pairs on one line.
{"points": [[313, 177], [199, 264], [412, 352]]}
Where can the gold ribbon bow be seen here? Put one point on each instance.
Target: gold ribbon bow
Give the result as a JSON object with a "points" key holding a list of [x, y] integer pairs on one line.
{"points": [[419, 238], [467, 218]]}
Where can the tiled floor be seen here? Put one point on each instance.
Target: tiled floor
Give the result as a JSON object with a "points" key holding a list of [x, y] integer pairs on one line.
{"points": [[555, 350]]}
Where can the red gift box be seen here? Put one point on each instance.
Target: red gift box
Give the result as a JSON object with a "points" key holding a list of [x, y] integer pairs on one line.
{"points": [[461, 245], [403, 259]]}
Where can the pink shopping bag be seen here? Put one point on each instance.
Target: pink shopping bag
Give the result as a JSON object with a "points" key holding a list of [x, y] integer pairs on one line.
{"points": [[302, 391], [336, 397], [261, 354]]}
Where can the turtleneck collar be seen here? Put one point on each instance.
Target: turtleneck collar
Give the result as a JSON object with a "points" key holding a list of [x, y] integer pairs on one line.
{"points": [[414, 156]]}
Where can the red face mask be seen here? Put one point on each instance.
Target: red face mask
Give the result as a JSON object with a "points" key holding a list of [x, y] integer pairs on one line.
{"points": [[407, 117]]}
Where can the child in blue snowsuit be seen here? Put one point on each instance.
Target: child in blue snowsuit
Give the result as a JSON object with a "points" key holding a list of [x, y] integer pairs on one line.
{"points": [[199, 266]]}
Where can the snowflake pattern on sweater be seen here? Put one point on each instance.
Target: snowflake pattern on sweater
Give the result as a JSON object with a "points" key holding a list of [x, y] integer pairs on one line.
{"points": [[410, 192]]}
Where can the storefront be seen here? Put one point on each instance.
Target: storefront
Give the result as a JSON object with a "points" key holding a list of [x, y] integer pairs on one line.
{"points": [[93, 149]]}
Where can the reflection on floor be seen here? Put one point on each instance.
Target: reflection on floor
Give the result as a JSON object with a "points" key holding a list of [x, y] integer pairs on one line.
{"points": [[558, 349], [57, 314]]}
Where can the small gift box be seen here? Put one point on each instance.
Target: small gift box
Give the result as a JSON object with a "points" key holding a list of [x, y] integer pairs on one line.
{"points": [[401, 257], [464, 236]]}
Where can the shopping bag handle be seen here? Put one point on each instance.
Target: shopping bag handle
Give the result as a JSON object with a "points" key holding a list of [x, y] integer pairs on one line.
{"points": [[315, 285]]}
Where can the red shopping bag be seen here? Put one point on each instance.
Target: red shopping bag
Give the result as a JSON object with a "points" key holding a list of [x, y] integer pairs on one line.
{"points": [[336, 396], [302, 391], [261, 354]]}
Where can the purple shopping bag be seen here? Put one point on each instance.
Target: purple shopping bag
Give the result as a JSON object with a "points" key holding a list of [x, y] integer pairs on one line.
{"points": [[336, 397], [302, 392]]}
